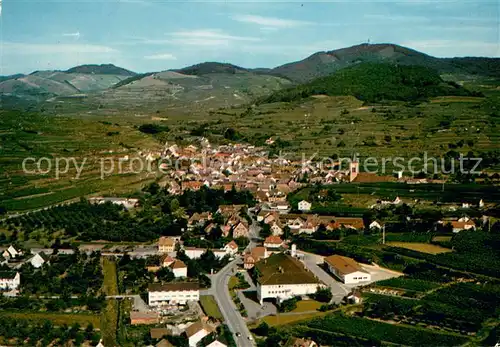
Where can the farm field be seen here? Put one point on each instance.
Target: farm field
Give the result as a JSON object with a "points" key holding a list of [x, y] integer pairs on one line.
{"points": [[420, 247], [281, 319]]}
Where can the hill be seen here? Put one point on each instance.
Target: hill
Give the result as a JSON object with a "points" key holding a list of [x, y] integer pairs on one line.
{"points": [[103, 69], [375, 82], [210, 67], [324, 63]]}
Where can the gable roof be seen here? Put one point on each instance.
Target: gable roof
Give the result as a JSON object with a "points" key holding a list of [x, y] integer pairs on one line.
{"points": [[166, 241], [178, 264], [232, 244], [158, 333], [273, 239], [344, 265], [198, 326]]}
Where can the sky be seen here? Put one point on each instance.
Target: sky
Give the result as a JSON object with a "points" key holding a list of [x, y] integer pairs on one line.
{"points": [[154, 35]]}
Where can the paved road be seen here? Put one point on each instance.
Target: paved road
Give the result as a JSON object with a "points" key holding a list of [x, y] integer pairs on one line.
{"points": [[339, 290], [232, 317]]}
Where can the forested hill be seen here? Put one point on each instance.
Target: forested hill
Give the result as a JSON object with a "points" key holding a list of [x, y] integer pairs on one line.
{"points": [[373, 82]]}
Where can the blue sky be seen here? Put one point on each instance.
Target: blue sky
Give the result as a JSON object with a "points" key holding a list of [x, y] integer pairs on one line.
{"points": [[148, 35]]}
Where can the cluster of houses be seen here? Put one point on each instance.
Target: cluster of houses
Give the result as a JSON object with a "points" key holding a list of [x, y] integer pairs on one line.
{"points": [[13, 258], [233, 223], [308, 223]]}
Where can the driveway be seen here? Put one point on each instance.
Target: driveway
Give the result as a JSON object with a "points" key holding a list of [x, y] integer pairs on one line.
{"points": [[339, 290]]}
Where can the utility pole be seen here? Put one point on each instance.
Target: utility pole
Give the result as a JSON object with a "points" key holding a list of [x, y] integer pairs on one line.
{"points": [[383, 234]]}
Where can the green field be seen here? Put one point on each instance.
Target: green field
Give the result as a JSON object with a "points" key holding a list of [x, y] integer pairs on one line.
{"points": [[210, 307], [56, 318], [110, 315]]}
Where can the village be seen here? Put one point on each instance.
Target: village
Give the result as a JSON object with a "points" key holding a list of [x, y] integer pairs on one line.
{"points": [[262, 250]]}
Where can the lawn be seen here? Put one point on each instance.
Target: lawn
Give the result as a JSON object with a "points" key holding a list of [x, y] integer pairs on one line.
{"points": [[109, 321], [420, 247], [233, 282], [307, 305], [210, 307], [56, 318]]}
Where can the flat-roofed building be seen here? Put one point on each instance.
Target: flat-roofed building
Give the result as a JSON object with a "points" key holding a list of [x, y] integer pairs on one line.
{"points": [[347, 270], [173, 293]]}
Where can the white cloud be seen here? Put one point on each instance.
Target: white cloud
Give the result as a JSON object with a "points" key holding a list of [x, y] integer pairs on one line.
{"points": [[397, 18], [455, 48], [75, 35], [19, 48], [161, 56], [208, 37], [270, 22]]}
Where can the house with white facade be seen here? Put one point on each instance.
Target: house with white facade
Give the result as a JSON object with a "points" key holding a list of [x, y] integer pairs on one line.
{"points": [[179, 268], [460, 225], [273, 242], [231, 248], [11, 252], [38, 260], [166, 245], [195, 253], [173, 293], [9, 280], [197, 331], [277, 228], [282, 277], [347, 269], [304, 206]]}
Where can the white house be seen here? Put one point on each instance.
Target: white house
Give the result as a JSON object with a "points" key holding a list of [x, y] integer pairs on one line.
{"points": [[195, 253], [273, 242], [282, 277], [179, 268], [458, 226], [11, 252], [347, 269], [231, 248], [276, 228], [304, 206], [9, 280], [38, 260], [197, 331], [375, 225], [173, 293], [216, 343]]}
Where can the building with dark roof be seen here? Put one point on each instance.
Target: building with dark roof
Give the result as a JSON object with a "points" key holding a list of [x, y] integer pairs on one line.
{"points": [[282, 277]]}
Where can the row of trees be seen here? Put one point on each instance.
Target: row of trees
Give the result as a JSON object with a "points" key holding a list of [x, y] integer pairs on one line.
{"points": [[45, 333]]}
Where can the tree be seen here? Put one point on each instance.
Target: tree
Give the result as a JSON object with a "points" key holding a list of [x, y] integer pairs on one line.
{"points": [[165, 275], [262, 329], [323, 294]]}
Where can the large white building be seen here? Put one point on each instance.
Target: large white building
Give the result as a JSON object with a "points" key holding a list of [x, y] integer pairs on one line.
{"points": [[195, 253], [173, 293], [347, 269], [9, 280], [283, 277]]}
